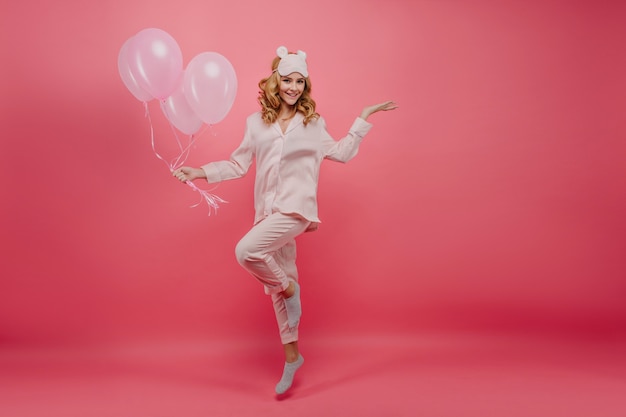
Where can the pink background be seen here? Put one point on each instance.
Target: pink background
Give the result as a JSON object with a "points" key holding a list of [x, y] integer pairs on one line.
{"points": [[493, 199]]}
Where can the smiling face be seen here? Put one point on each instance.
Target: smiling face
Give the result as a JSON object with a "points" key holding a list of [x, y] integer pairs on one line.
{"points": [[291, 88]]}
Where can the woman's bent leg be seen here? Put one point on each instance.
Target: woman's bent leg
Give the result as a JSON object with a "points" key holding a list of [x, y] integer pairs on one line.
{"points": [[256, 250]]}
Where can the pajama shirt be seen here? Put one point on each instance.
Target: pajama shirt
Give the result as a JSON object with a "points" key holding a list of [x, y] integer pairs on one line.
{"points": [[285, 194]]}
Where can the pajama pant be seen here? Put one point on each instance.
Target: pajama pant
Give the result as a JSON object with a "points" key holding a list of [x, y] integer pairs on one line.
{"points": [[268, 252]]}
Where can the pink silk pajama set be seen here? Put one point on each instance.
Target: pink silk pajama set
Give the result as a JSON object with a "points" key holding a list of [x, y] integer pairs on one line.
{"points": [[285, 195]]}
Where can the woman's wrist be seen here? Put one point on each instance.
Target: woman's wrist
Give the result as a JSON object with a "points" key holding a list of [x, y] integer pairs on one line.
{"points": [[200, 173]]}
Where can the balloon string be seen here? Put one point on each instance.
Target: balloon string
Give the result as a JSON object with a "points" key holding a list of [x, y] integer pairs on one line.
{"points": [[174, 131], [145, 103], [186, 151], [211, 200]]}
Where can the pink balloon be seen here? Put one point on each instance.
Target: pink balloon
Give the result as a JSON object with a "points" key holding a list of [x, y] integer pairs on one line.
{"points": [[180, 113], [210, 86], [127, 76], [156, 62]]}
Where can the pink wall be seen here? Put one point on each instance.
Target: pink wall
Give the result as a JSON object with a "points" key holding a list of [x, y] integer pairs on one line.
{"points": [[493, 198]]}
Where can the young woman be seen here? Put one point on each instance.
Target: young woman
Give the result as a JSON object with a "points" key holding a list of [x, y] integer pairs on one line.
{"points": [[289, 141]]}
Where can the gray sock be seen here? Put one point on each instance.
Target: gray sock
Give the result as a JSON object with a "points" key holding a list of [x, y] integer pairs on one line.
{"points": [[294, 308], [288, 373]]}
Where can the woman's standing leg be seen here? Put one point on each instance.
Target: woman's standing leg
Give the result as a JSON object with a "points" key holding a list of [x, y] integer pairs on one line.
{"points": [[286, 258], [268, 252]]}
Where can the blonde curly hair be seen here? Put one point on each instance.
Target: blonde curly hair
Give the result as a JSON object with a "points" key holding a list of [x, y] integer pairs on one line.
{"points": [[269, 98]]}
